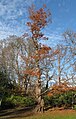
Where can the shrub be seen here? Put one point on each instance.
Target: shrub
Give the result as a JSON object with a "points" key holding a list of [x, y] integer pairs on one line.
{"points": [[16, 101], [47, 100], [60, 100], [74, 107]]}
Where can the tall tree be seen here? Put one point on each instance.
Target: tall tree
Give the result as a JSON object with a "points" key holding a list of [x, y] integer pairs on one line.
{"points": [[39, 19], [33, 60]]}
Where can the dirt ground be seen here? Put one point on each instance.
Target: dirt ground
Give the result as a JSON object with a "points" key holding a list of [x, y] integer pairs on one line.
{"points": [[26, 112], [18, 112]]}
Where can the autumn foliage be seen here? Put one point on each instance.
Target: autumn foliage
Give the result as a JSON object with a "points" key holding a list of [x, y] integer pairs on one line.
{"points": [[60, 89], [39, 19]]}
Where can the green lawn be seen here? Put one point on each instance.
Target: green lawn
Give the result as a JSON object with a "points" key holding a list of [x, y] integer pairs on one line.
{"points": [[54, 115]]}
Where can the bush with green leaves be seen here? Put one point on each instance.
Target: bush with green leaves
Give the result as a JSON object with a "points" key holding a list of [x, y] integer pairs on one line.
{"points": [[74, 107], [17, 101], [65, 100]]}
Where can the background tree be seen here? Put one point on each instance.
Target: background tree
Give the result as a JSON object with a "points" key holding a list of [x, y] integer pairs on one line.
{"points": [[70, 38]]}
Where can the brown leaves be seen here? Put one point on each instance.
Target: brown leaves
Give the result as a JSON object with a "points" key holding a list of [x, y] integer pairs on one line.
{"points": [[58, 89], [29, 24], [44, 50], [41, 53], [39, 20], [33, 72]]}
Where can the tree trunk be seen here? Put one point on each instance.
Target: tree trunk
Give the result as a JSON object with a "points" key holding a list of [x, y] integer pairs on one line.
{"points": [[59, 78], [38, 95], [38, 82]]}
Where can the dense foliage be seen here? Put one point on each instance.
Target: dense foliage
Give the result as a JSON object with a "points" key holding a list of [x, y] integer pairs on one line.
{"points": [[17, 101], [66, 100]]}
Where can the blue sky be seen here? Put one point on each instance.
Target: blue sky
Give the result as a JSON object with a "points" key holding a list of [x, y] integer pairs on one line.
{"points": [[14, 15]]}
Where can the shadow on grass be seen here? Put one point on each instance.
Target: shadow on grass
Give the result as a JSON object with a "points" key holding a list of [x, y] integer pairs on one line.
{"points": [[16, 113]]}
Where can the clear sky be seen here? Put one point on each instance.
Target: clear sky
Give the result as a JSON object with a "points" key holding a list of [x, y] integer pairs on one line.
{"points": [[14, 15]]}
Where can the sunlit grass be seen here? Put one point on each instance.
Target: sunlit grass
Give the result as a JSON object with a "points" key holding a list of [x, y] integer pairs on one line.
{"points": [[56, 114], [51, 116]]}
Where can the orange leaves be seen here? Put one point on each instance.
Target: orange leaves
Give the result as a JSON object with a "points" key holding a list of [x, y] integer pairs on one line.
{"points": [[41, 53], [38, 20], [35, 57], [34, 27], [50, 94], [33, 72], [38, 15], [44, 50], [58, 89], [37, 35]]}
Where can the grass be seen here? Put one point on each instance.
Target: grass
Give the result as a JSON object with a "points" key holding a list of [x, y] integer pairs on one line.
{"points": [[50, 114], [63, 114]]}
